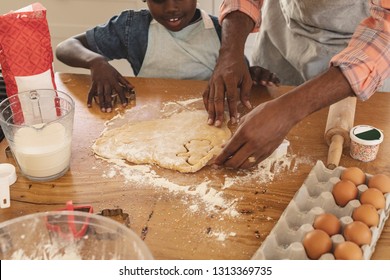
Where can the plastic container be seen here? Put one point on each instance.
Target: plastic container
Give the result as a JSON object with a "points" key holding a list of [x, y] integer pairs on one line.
{"points": [[38, 126], [7, 178], [70, 235], [365, 141]]}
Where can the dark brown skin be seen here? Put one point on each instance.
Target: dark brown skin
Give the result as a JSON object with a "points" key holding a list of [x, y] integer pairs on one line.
{"points": [[231, 71], [106, 80], [264, 77], [262, 130]]}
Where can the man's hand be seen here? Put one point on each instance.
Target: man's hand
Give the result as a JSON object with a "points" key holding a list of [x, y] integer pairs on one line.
{"points": [[259, 133], [263, 129], [231, 79]]}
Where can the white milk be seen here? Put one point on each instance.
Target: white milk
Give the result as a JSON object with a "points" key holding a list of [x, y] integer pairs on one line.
{"points": [[42, 152]]}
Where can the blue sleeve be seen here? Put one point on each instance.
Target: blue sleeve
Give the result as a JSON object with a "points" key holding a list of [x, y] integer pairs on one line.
{"points": [[109, 39], [124, 36]]}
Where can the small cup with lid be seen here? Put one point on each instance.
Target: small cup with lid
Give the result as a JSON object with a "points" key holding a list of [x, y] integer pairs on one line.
{"points": [[365, 141]]}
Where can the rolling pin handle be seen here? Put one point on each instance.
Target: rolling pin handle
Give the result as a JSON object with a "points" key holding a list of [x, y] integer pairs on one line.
{"points": [[335, 151]]}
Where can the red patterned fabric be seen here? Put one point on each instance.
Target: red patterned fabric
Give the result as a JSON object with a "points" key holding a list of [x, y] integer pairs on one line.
{"points": [[25, 46]]}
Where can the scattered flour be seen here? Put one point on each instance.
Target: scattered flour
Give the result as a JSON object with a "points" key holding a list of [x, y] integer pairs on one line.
{"points": [[221, 236], [49, 251], [203, 197], [109, 174], [194, 207], [182, 103], [211, 198]]}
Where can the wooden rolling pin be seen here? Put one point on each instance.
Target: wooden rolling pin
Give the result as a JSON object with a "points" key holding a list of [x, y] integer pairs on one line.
{"points": [[340, 121]]}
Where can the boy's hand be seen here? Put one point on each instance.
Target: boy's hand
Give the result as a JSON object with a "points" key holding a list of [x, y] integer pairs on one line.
{"points": [[262, 76], [107, 82]]}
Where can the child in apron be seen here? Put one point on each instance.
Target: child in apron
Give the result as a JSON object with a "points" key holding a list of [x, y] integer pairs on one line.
{"points": [[173, 39]]}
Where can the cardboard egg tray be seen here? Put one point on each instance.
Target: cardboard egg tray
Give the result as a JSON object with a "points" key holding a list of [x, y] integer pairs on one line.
{"points": [[313, 198]]}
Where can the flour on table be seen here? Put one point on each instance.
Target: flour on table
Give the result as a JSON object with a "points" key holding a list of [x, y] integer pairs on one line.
{"points": [[222, 236], [205, 196], [202, 194], [202, 197], [183, 142]]}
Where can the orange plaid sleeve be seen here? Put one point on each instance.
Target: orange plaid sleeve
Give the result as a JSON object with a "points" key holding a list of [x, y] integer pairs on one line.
{"points": [[366, 60], [249, 7], [385, 4]]}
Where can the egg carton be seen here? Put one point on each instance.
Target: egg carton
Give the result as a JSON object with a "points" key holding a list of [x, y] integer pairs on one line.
{"points": [[313, 198]]}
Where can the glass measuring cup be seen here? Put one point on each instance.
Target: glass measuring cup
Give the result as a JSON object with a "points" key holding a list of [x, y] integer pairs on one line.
{"points": [[38, 126]]}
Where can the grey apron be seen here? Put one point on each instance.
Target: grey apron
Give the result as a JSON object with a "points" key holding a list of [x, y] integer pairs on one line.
{"points": [[190, 53], [298, 38]]}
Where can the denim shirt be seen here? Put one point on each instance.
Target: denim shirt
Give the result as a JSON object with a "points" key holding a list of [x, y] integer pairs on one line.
{"points": [[125, 36]]}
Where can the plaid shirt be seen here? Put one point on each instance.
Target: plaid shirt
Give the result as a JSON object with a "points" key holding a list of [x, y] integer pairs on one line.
{"points": [[366, 60], [249, 7]]}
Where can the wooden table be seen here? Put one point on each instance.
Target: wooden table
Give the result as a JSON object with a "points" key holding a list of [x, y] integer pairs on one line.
{"points": [[175, 220]]}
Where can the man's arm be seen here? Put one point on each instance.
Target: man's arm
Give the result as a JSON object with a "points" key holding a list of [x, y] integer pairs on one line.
{"points": [[250, 8], [231, 71], [263, 129], [359, 69], [231, 78]]}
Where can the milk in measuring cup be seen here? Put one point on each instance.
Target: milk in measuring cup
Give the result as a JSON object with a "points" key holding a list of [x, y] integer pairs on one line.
{"points": [[42, 150]]}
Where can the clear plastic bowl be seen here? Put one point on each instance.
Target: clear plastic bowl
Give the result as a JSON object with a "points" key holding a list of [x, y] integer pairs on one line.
{"points": [[72, 235]]}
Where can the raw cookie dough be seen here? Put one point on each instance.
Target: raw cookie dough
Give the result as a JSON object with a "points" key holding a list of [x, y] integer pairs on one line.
{"points": [[183, 142]]}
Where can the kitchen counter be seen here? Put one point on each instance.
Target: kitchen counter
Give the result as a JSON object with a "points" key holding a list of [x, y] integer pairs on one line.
{"points": [[211, 214]]}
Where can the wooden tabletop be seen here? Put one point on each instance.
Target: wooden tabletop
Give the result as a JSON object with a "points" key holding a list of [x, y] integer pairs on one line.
{"points": [[212, 214]]}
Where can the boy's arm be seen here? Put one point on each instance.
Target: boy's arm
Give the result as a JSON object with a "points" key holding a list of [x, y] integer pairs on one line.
{"points": [[106, 80], [75, 52]]}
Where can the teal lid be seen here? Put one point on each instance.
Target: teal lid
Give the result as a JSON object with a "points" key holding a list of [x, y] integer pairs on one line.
{"points": [[366, 135]]}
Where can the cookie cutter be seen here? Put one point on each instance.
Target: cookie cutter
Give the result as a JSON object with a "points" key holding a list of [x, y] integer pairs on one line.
{"points": [[130, 96], [117, 215], [71, 228], [7, 178]]}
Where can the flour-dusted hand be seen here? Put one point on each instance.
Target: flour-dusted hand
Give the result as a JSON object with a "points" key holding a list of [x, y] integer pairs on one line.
{"points": [[263, 129], [259, 133], [231, 80], [107, 82]]}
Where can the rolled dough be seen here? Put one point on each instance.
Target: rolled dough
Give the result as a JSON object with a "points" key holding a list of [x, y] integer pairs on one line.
{"points": [[182, 142]]}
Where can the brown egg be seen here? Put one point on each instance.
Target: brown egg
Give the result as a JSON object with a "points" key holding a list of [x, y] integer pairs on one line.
{"points": [[380, 182], [348, 251], [367, 214], [316, 243], [353, 174], [344, 191], [328, 223], [357, 232], [374, 197]]}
